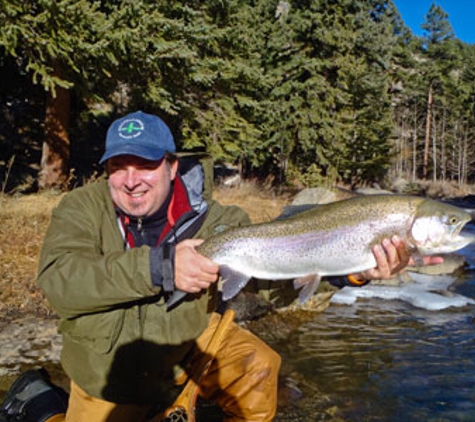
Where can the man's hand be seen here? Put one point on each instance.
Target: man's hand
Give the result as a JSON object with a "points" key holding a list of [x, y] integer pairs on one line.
{"points": [[392, 257], [193, 272]]}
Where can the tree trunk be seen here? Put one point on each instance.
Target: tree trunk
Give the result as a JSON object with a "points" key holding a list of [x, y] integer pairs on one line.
{"points": [[414, 147], [425, 163], [54, 170]]}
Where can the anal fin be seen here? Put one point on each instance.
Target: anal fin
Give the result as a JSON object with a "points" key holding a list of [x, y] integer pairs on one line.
{"points": [[308, 285]]}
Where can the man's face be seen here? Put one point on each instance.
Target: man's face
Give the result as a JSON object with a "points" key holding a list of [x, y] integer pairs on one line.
{"points": [[138, 186]]}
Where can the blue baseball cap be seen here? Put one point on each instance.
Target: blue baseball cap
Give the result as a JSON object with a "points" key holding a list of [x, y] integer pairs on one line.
{"points": [[140, 134]]}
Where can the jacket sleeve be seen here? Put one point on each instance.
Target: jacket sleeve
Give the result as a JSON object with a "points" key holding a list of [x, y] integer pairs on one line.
{"points": [[84, 267], [218, 218], [222, 217]]}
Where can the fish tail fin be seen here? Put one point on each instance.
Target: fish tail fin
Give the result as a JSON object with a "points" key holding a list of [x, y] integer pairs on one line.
{"points": [[308, 286], [233, 281]]}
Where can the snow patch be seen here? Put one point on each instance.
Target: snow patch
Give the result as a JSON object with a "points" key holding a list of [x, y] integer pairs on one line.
{"points": [[423, 291]]}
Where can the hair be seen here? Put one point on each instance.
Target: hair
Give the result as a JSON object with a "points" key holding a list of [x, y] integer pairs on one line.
{"points": [[169, 157]]}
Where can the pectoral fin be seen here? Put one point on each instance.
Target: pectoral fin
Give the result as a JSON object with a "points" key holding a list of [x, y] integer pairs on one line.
{"points": [[233, 281], [308, 286]]}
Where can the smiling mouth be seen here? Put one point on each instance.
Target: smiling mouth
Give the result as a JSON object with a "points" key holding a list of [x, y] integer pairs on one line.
{"points": [[135, 195]]}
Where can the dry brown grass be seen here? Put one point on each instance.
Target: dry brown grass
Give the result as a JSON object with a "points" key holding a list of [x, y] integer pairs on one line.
{"points": [[260, 203], [23, 224]]}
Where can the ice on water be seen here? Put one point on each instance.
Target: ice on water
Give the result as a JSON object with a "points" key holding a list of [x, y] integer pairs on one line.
{"points": [[424, 291]]}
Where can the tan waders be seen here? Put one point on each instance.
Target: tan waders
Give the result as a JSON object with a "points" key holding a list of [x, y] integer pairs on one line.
{"points": [[241, 378]]}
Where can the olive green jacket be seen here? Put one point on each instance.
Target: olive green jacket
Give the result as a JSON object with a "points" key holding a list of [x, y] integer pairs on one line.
{"points": [[120, 342]]}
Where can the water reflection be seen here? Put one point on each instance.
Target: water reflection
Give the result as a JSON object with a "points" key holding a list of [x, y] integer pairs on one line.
{"points": [[382, 360]]}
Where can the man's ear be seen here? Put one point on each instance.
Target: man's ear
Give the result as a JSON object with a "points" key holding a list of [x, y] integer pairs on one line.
{"points": [[173, 169]]}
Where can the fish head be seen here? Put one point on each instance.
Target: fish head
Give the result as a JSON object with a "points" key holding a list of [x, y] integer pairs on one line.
{"points": [[437, 227]]}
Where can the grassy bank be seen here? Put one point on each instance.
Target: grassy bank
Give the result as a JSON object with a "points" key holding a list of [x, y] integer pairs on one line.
{"points": [[24, 221]]}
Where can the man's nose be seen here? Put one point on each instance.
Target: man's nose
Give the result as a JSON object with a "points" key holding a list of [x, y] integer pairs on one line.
{"points": [[131, 177]]}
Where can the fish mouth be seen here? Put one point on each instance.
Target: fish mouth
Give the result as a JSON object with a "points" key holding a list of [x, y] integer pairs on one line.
{"points": [[462, 240], [453, 244]]}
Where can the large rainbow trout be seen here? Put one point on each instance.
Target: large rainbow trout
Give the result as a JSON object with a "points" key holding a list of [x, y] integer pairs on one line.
{"points": [[332, 239]]}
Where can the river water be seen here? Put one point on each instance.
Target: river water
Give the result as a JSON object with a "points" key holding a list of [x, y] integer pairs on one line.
{"points": [[385, 360]]}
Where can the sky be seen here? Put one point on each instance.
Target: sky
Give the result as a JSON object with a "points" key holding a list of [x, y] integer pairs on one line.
{"points": [[461, 16]]}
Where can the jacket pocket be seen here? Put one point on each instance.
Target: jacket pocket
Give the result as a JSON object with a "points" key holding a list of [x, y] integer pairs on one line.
{"points": [[98, 332]]}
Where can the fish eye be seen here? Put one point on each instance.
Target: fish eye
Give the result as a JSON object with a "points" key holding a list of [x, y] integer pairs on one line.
{"points": [[453, 219]]}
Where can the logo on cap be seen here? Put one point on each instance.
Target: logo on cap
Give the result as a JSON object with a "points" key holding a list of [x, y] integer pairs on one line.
{"points": [[131, 128]]}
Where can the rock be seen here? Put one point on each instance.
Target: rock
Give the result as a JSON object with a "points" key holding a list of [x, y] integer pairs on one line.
{"points": [[320, 196], [310, 198], [373, 191], [317, 303], [314, 196], [289, 391], [248, 306], [29, 341]]}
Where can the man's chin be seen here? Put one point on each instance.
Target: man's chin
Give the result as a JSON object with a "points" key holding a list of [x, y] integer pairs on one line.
{"points": [[136, 211]]}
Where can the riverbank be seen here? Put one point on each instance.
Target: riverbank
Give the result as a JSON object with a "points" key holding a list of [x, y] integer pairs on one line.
{"points": [[28, 326]]}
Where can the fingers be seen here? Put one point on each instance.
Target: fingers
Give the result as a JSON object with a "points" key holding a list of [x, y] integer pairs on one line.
{"points": [[392, 256], [433, 260], [397, 254], [193, 272], [382, 269]]}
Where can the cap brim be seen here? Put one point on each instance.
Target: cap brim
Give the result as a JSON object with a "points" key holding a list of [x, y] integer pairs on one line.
{"points": [[145, 152]]}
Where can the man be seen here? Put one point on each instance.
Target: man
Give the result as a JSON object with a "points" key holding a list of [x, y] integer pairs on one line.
{"points": [[113, 254]]}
